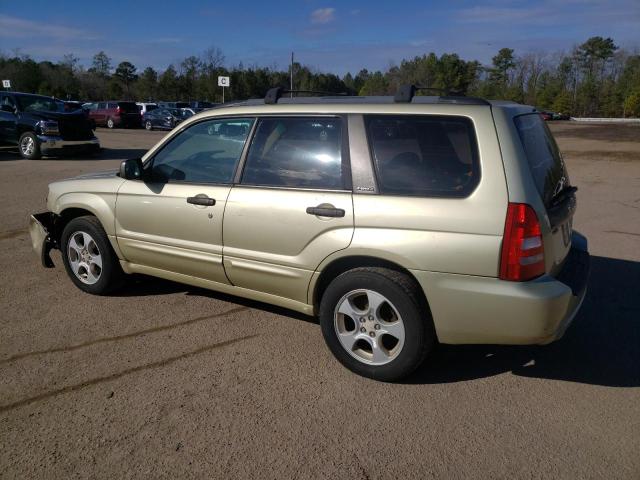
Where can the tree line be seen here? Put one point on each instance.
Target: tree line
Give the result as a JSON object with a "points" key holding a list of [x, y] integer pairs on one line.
{"points": [[596, 78]]}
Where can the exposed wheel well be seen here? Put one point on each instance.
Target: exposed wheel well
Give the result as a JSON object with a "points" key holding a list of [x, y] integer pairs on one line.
{"points": [[341, 265], [65, 217]]}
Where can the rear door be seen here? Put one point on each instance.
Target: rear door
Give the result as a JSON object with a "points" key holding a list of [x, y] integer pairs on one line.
{"points": [[552, 182], [292, 207], [98, 114], [173, 220]]}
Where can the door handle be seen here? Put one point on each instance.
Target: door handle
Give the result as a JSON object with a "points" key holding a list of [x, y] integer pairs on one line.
{"points": [[325, 211], [201, 199]]}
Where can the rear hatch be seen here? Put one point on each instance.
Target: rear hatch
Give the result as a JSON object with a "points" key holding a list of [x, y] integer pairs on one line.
{"points": [[129, 111], [550, 176]]}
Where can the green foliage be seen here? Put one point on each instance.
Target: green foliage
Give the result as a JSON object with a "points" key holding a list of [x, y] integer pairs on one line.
{"points": [[595, 79], [632, 105]]}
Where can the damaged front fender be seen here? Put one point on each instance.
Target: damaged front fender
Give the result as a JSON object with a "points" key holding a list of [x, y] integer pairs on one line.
{"points": [[42, 228]]}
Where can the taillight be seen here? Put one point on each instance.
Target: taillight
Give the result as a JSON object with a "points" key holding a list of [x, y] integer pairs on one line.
{"points": [[118, 111], [522, 255]]}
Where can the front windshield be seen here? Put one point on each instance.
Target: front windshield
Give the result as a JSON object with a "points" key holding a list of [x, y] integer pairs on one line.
{"points": [[34, 103]]}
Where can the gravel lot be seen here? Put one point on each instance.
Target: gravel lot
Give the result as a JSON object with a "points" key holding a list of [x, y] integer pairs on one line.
{"points": [[169, 381]]}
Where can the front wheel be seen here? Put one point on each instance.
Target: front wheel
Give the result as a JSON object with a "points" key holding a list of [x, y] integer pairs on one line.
{"points": [[29, 146], [110, 123], [148, 125], [88, 257], [376, 323]]}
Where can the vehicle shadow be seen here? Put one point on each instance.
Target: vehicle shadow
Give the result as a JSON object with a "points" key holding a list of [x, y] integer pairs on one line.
{"points": [[602, 346]]}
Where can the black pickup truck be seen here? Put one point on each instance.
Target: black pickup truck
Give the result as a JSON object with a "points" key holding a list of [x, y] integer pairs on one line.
{"points": [[35, 124]]}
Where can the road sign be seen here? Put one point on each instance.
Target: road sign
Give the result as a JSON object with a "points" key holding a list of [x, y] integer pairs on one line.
{"points": [[6, 83], [223, 81]]}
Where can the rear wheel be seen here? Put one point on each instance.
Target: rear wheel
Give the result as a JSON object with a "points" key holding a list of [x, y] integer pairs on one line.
{"points": [[88, 257], [376, 323], [29, 146], [110, 123]]}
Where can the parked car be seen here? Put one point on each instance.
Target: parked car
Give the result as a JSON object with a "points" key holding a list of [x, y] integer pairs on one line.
{"points": [[399, 221], [546, 115], [197, 107], [173, 104], [35, 124], [145, 107], [114, 114], [164, 118]]}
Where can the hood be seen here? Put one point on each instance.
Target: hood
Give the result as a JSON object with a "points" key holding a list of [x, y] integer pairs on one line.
{"points": [[44, 115]]}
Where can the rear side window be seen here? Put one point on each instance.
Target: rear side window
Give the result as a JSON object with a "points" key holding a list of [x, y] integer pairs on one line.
{"points": [[300, 152], [547, 168], [427, 156], [112, 105]]}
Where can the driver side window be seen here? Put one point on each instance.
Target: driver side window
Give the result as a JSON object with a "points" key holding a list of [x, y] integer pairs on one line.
{"points": [[206, 152]]}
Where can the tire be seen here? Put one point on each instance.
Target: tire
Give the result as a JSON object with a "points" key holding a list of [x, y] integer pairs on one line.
{"points": [[29, 146], [110, 123], [84, 245], [400, 324], [148, 125]]}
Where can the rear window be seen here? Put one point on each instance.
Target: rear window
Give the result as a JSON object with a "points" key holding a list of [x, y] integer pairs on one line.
{"points": [[129, 107], [545, 162], [420, 155], [151, 107]]}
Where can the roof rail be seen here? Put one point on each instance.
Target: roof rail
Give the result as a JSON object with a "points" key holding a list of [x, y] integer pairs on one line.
{"points": [[274, 94], [406, 93]]}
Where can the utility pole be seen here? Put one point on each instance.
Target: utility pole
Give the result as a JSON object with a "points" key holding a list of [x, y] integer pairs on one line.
{"points": [[291, 87]]}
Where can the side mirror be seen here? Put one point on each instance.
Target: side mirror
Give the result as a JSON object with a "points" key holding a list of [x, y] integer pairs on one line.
{"points": [[8, 108], [131, 169]]}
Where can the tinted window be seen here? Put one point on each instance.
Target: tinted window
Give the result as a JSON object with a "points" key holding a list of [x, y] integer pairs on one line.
{"points": [[296, 152], [112, 105], [102, 106], [151, 107], [545, 162], [424, 155], [206, 152], [29, 103]]}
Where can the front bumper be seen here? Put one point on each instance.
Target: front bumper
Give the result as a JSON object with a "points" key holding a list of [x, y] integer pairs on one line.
{"points": [[42, 227], [469, 309], [50, 143]]}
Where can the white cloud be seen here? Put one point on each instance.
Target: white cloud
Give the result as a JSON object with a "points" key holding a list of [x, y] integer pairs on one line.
{"points": [[14, 27], [323, 15]]}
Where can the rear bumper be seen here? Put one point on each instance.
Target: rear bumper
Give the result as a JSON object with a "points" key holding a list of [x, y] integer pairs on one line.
{"points": [[469, 309], [50, 144]]}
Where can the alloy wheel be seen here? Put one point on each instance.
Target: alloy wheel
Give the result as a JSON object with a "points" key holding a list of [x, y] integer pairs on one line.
{"points": [[369, 327], [84, 257]]}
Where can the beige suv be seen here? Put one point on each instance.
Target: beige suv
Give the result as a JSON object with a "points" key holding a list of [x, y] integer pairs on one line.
{"points": [[399, 221]]}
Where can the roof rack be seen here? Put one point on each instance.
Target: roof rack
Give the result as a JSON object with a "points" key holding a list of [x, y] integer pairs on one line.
{"points": [[274, 94], [406, 93]]}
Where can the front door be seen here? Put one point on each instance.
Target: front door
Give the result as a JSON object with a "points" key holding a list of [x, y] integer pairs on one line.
{"points": [[173, 220], [292, 207]]}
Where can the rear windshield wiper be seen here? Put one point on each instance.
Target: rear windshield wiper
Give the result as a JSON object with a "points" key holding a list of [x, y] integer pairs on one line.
{"points": [[559, 197]]}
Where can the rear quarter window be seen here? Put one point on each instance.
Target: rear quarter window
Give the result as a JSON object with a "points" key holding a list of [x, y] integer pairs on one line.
{"points": [[424, 155], [543, 156]]}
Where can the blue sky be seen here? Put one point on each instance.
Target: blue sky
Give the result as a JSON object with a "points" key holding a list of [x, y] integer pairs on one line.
{"points": [[326, 35]]}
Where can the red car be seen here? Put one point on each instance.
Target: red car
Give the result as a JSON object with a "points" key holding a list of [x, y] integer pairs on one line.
{"points": [[546, 115], [115, 114]]}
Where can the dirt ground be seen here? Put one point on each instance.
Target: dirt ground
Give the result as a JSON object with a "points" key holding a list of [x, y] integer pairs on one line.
{"points": [[168, 381]]}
